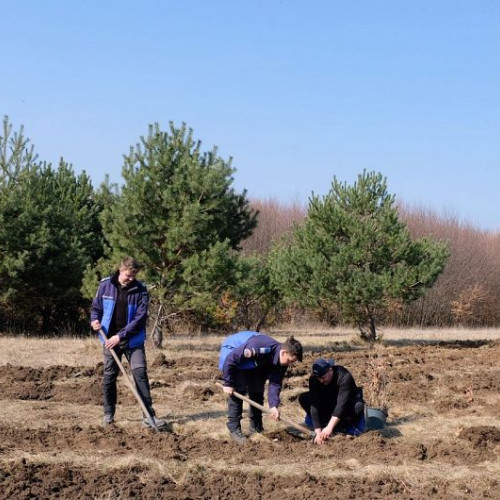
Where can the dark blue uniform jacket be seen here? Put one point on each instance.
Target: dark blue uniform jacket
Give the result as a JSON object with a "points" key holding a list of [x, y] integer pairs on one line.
{"points": [[103, 307], [262, 353]]}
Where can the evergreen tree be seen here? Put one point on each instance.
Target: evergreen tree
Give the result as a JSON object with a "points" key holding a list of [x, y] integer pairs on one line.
{"points": [[353, 255], [255, 297], [49, 231], [179, 215], [15, 153]]}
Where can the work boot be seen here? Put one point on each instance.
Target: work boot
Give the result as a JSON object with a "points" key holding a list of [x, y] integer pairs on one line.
{"points": [[108, 420], [256, 428], [159, 422], [238, 436]]}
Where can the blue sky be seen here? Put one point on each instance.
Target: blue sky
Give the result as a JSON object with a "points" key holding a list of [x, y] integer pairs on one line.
{"points": [[296, 92]]}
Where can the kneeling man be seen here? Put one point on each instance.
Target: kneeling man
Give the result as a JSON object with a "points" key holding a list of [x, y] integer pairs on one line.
{"points": [[334, 403]]}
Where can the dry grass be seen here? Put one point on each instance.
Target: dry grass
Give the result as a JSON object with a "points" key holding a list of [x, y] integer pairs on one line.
{"points": [[42, 352], [411, 422], [39, 352], [318, 334]]}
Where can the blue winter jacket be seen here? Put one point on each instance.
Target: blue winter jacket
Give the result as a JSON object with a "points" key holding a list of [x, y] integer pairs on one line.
{"points": [[264, 353], [103, 306]]}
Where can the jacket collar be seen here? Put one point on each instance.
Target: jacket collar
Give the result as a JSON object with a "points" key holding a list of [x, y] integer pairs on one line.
{"points": [[114, 280]]}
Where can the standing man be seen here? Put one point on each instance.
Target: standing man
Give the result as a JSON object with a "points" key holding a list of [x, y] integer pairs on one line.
{"points": [[246, 369], [333, 402], [120, 309]]}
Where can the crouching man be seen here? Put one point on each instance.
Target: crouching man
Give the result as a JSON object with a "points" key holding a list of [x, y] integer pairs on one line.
{"points": [[333, 403], [247, 360]]}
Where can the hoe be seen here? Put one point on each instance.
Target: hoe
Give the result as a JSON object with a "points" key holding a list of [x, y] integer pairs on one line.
{"points": [[131, 386], [299, 427]]}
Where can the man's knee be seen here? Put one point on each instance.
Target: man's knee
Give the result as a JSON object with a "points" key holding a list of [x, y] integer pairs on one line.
{"points": [[140, 373], [234, 408], [305, 401], [110, 371], [359, 409]]}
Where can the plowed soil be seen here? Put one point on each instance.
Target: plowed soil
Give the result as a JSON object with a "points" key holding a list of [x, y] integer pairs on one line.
{"points": [[441, 440]]}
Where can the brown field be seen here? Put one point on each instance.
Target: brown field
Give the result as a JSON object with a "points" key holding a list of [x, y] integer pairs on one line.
{"points": [[442, 439]]}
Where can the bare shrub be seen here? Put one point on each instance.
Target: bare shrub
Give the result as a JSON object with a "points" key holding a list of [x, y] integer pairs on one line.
{"points": [[469, 289], [471, 305], [275, 220], [378, 377], [466, 294]]}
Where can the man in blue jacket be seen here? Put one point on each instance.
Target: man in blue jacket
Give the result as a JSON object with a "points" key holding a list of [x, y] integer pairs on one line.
{"points": [[246, 369], [120, 309]]}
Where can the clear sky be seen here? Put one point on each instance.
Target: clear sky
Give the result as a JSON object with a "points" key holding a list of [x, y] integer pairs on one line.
{"points": [[296, 92]]}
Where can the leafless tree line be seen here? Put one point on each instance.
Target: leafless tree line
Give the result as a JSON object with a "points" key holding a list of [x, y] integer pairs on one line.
{"points": [[466, 294]]}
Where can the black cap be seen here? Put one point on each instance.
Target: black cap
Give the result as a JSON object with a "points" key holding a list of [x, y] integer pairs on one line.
{"points": [[321, 366]]}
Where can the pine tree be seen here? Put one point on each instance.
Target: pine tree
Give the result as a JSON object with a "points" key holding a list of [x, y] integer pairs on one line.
{"points": [[354, 256], [179, 215], [15, 153], [49, 232]]}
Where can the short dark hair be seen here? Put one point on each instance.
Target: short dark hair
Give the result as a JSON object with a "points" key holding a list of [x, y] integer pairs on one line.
{"points": [[293, 347], [131, 264]]}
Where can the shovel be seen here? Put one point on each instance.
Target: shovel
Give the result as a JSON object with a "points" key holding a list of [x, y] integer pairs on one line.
{"points": [[299, 427], [131, 385]]}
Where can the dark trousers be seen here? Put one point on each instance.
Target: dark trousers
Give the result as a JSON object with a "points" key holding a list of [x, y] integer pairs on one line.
{"points": [[326, 408], [137, 360], [251, 382]]}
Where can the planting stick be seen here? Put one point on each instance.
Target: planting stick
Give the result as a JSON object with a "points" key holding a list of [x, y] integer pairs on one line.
{"points": [[299, 427], [131, 385]]}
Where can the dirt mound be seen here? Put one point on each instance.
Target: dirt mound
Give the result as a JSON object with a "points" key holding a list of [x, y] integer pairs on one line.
{"points": [[24, 480], [468, 344], [482, 436], [419, 455], [88, 392], [161, 361], [202, 393], [12, 374]]}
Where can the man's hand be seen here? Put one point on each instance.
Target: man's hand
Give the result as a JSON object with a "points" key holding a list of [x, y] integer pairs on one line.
{"points": [[275, 413], [324, 434], [228, 390], [96, 325], [112, 342], [318, 439]]}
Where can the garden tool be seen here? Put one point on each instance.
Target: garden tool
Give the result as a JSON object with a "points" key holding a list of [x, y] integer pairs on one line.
{"points": [[131, 385], [299, 427]]}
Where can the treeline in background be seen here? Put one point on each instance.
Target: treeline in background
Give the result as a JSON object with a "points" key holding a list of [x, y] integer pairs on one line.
{"points": [[216, 260], [467, 293]]}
